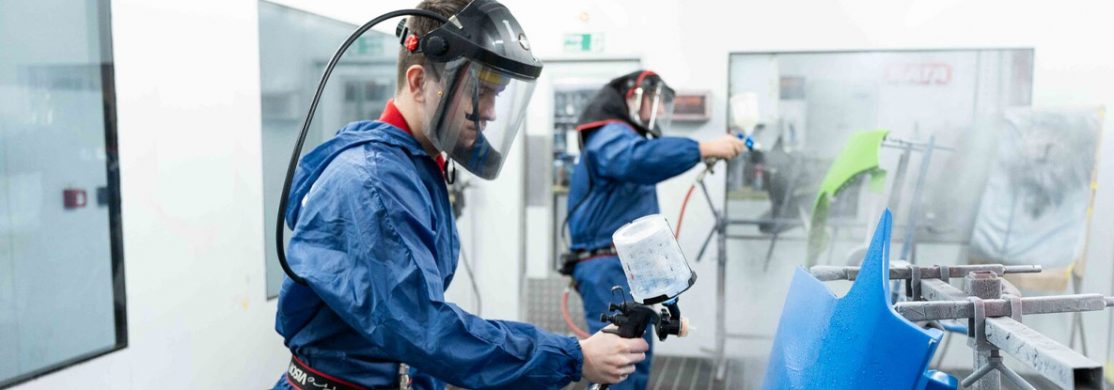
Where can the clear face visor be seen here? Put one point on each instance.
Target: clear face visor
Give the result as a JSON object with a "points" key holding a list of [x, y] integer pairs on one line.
{"points": [[652, 106], [479, 115]]}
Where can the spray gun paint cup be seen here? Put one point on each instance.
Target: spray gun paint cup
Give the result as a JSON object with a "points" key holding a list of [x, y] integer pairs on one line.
{"points": [[656, 269], [744, 111]]}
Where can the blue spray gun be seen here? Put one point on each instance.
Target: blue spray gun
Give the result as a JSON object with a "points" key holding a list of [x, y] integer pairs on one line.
{"points": [[710, 162], [745, 116], [746, 140]]}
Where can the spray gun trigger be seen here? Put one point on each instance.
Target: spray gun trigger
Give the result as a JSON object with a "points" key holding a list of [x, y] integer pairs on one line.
{"points": [[620, 291]]}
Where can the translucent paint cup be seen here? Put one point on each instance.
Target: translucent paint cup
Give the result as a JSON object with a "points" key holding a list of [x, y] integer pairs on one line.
{"points": [[652, 260]]}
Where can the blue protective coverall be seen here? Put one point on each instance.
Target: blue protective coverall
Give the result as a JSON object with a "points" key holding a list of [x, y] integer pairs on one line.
{"points": [[375, 239], [622, 168]]}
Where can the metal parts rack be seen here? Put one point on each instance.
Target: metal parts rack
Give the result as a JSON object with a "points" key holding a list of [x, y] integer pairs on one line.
{"points": [[994, 310]]}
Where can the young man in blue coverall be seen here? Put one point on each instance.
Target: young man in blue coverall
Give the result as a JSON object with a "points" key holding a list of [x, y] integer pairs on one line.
{"points": [[375, 240], [624, 156]]}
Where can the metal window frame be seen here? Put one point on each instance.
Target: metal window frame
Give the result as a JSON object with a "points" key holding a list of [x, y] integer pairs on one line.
{"points": [[116, 239]]}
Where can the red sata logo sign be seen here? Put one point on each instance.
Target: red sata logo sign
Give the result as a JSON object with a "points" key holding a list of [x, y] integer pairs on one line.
{"points": [[919, 74]]}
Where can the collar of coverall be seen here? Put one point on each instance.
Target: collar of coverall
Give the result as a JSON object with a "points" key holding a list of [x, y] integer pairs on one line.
{"points": [[393, 117]]}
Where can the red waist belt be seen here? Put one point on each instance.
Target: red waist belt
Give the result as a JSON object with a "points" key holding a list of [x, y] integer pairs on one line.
{"points": [[303, 377]]}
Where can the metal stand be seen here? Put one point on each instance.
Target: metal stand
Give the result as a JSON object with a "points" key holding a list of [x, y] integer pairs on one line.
{"points": [[719, 231], [907, 248], [993, 309]]}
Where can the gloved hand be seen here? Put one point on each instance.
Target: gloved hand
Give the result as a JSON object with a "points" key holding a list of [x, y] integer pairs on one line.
{"points": [[726, 147], [609, 358]]}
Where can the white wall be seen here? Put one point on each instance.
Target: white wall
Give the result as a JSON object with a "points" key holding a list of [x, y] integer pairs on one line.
{"points": [[187, 81]]}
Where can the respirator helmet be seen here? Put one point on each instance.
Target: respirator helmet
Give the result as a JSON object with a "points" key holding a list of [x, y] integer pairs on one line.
{"points": [[486, 71]]}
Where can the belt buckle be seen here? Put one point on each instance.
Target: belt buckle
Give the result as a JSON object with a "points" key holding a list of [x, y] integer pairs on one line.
{"points": [[403, 376]]}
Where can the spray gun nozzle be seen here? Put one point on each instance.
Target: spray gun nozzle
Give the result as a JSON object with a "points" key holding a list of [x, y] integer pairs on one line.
{"points": [[685, 327], [747, 140]]}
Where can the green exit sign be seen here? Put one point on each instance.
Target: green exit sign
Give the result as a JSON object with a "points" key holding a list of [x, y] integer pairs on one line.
{"points": [[584, 43]]}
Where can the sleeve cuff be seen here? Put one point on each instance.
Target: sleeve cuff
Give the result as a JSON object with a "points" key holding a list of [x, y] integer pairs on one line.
{"points": [[577, 369], [566, 359]]}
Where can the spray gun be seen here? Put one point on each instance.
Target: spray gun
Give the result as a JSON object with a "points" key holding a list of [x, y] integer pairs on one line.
{"points": [[632, 319], [710, 162], [657, 273], [745, 116]]}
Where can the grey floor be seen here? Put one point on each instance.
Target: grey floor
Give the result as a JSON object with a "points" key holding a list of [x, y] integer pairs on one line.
{"points": [[685, 373], [688, 373]]}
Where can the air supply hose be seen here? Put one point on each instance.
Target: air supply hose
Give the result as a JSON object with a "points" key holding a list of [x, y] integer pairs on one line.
{"points": [[280, 226]]}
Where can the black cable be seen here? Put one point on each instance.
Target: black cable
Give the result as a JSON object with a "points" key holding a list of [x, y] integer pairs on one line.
{"points": [[565, 222], [279, 231]]}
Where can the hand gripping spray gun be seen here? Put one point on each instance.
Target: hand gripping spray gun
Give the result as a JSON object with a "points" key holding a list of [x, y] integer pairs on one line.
{"points": [[744, 115], [657, 273]]}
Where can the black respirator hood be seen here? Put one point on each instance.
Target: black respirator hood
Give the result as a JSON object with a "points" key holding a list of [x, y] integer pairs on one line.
{"points": [[610, 104]]}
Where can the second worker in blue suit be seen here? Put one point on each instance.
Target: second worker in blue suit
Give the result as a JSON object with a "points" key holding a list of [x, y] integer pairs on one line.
{"points": [[623, 156]]}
